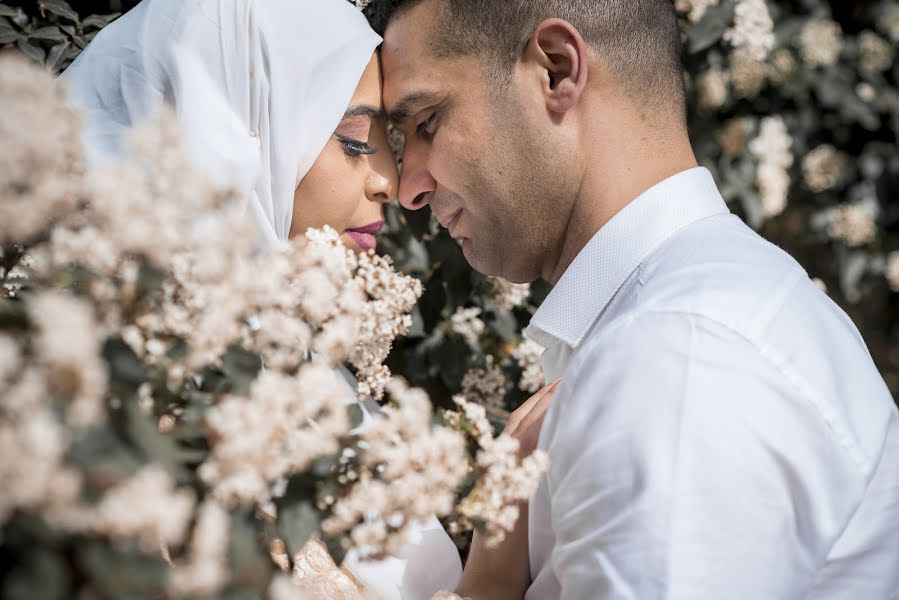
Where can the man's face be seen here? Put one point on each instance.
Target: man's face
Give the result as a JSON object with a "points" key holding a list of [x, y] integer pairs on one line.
{"points": [[477, 152]]}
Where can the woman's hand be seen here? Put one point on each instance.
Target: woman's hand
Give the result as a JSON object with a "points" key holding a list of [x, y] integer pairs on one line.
{"points": [[503, 572]]}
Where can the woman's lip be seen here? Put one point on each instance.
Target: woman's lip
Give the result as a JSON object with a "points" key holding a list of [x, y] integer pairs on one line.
{"points": [[372, 228], [366, 241]]}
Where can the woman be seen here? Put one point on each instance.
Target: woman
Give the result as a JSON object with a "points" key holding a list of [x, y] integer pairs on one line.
{"points": [[282, 97]]}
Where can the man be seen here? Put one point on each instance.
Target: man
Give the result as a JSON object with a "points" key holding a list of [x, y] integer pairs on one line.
{"points": [[720, 430]]}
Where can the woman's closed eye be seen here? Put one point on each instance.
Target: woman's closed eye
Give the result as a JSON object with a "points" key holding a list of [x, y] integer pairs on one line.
{"points": [[355, 148]]}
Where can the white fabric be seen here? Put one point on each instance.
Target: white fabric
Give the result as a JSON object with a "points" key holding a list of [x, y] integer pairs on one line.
{"points": [[259, 86], [720, 431]]}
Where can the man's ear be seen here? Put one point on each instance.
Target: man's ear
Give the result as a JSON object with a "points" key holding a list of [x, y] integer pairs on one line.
{"points": [[560, 52]]}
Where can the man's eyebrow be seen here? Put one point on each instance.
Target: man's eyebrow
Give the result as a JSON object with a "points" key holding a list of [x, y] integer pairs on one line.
{"points": [[364, 110], [405, 106]]}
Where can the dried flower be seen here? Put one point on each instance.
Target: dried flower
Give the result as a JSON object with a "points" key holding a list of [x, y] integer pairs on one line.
{"points": [[68, 349], [42, 163], [406, 472], [747, 74], [528, 354], [820, 42], [467, 323], [875, 53], [772, 149], [712, 88], [752, 33], [206, 571], [695, 9], [823, 168], [285, 424], [486, 386], [507, 295], [148, 507], [854, 223], [504, 480]]}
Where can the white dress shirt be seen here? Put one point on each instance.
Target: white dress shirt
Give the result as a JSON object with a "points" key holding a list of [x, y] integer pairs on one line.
{"points": [[720, 432]]}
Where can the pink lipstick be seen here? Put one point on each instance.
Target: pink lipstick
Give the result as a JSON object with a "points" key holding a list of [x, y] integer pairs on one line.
{"points": [[365, 237]]}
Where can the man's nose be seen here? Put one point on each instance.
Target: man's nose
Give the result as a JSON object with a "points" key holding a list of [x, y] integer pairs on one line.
{"points": [[416, 182]]}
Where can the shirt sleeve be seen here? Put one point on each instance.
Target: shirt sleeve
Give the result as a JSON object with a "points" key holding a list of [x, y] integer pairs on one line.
{"points": [[685, 465]]}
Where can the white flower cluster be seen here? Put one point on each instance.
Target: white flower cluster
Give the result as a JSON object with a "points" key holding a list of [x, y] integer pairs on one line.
{"points": [[772, 149], [752, 34], [32, 441], [694, 9], [384, 317], [820, 42], [823, 168], [875, 53], [854, 223], [42, 157], [146, 506], [528, 354], [711, 86], [507, 295], [504, 480], [467, 323], [406, 472], [485, 386], [284, 424], [206, 570]]}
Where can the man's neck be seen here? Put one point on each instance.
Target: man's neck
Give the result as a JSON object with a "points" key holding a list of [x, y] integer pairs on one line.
{"points": [[611, 181]]}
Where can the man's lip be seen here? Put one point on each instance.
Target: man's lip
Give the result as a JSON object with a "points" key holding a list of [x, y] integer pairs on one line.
{"points": [[452, 221], [372, 228]]}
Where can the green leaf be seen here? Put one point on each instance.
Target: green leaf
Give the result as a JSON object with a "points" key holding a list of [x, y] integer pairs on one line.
{"points": [[125, 367], [99, 21], [40, 574], [711, 28], [59, 8], [297, 522], [143, 432], [50, 33], [356, 415], [6, 11], [33, 52], [8, 33], [122, 571], [56, 56], [241, 367], [250, 565]]}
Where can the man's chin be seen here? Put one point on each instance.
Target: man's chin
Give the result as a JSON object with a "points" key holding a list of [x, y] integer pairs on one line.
{"points": [[487, 264]]}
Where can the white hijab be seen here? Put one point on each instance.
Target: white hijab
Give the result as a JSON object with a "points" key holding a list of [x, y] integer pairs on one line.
{"points": [[258, 86]]}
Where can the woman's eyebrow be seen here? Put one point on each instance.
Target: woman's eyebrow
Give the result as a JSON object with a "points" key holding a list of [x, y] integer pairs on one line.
{"points": [[365, 110]]}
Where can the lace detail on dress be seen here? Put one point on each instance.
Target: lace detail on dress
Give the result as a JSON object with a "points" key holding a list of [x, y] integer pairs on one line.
{"points": [[319, 576]]}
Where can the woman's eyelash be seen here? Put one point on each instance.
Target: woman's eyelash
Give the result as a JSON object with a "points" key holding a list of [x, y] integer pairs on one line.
{"points": [[354, 147]]}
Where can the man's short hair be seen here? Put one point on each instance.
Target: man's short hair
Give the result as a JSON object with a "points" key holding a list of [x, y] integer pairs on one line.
{"points": [[638, 39]]}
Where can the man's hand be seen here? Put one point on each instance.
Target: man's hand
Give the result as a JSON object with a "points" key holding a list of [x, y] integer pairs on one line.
{"points": [[524, 424], [503, 572]]}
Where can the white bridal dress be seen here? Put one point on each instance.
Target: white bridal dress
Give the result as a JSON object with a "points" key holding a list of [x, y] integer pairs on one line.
{"points": [[258, 86]]}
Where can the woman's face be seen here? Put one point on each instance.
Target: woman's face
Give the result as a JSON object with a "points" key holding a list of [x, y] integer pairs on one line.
{"points": [[355, 175]]}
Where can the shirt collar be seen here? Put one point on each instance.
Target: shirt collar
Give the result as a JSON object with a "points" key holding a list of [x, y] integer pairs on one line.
{"points": [[617, 249]]}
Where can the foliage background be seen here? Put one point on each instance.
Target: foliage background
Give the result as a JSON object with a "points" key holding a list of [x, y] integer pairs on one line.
{"points": [[848, 100]]}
